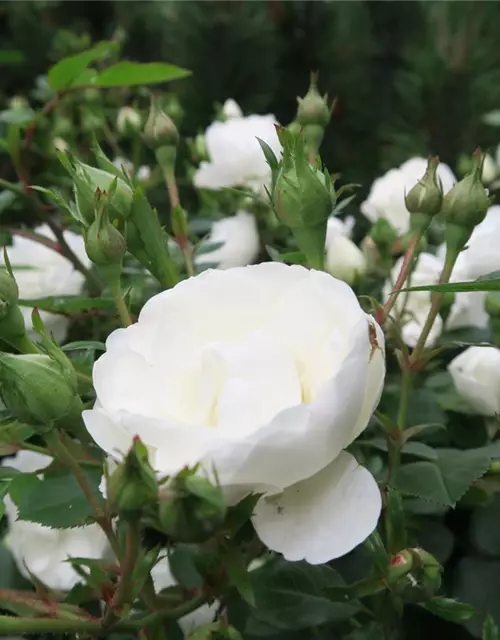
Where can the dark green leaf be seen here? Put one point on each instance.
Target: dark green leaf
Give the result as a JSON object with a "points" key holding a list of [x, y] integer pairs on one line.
{"points": [[127, 74], [484, 528], [269, 154], [490, 630], [11, 56], [449, 609], [477, 581], [83, 345], [208, 247], [443, 481], [490, 282], [238, 574], [69, 304], [64, 72], [183, 568], [55, 499]]}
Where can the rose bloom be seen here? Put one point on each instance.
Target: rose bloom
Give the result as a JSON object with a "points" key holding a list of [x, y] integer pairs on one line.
{"points": [[387, 194], [40, 550], [265, 373], [476, 375], [343, 259], [481, 255], [41, 272], [236, 157], [240, 242], [413, 307]]}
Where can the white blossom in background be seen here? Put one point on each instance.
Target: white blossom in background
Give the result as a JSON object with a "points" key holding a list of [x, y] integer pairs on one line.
{"points": [[143, 173], [481, 255], [162, 579], [343, 259], [231, 109], [236, 157], [490, 170], [41, 272], [387, 194], [240, 242], [128, 121], [265, 373], [43, 551], [467, 309], [476, 375]]}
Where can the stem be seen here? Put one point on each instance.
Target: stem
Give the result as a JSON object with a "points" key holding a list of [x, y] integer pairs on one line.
{"points": [[436, 300], [173, 195], [405, 393], [12, 626], [403, 274], [126, 579], [11, 186], [120, 303], [60, 452]]}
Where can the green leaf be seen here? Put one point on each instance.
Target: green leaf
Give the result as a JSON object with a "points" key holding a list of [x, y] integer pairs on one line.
{"points": [[183, 567], [274, 254], [82, 345], [484, 528], [64, 72], [11, 56], [269, 154], [291, 596], [490, 282], [17, 116], [477, 581], [490, 630], [54, 499], [68, 304], [127, 74], [449, 609], [208, 247], [238, 574], [443, 481]]}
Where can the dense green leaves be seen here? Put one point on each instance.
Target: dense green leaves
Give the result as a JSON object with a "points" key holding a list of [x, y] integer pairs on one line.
{"points": [[444, 480]]}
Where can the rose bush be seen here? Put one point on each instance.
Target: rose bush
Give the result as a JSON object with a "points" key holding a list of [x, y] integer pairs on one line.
{"points": [[266, 373]]}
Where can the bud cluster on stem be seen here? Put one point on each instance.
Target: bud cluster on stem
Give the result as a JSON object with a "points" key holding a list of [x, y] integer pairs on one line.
{"points": [[313, 116]]}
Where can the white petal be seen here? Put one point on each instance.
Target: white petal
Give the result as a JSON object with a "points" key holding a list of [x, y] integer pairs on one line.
{"points": [[323, 517]]}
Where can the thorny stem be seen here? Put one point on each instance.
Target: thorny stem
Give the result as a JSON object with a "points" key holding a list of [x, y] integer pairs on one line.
{"points": [[60, 452], [436, 300], [173, 194], [403, 274]]}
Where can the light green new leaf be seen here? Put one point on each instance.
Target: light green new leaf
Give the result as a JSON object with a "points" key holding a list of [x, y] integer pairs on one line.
{"points": [[127, 74], [64, 72], [489, 282], [84, 345], [449, 609], [490, 630], [444, 480]]}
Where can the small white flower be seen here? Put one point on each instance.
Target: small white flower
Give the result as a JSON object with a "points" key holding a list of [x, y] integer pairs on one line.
{"points": [[343, 258], [41, 272], [128, 120], [231, 109], [265, 373], [236, 157], [162, 579], [467, 309], [476, 375], [43, 551], [240, 242], [387, 194]]}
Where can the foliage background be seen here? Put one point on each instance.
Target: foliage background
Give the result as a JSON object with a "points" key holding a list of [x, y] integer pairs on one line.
{"points": [[412, 78]]}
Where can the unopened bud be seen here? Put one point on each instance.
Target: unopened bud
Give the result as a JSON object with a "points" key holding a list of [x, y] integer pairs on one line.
{"points": [[133, 486], [200, 147], [35, 389], [9, 293], [231, 109], [492, 304], [400, 565], [192, 509], [422, 581], [160, 130], [104, 244], [425, 199], [60, 144], [490, 170], [128, 121], [18, 102], [464, 207], [313, 109], [87, 180]]}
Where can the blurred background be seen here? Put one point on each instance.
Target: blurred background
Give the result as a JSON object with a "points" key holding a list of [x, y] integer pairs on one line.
{"points": [[411, 78]]}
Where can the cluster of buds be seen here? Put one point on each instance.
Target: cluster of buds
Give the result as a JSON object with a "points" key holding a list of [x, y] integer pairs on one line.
{"points": [[302, 196]]}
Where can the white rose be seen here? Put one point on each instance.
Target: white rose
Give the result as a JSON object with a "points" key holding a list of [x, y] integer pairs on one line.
{"points": [[476, 374], [236, 157], [467, 309], [162, 579], [41, 272], [481, 255], [231, 109], [343, 258], [43, 551], [387, 194], [240, 242], [490, 170], [265, 373]]}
